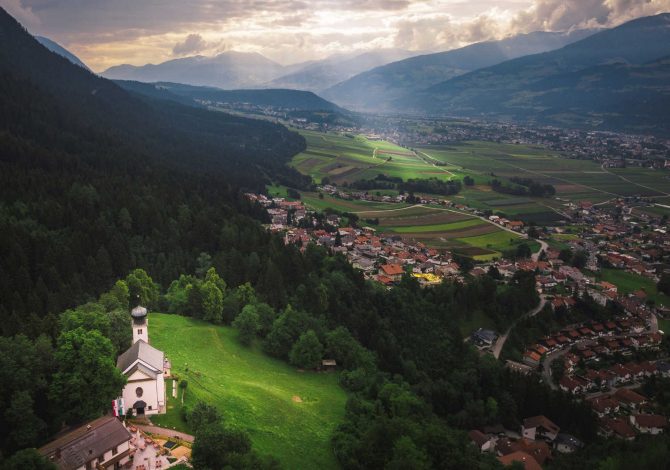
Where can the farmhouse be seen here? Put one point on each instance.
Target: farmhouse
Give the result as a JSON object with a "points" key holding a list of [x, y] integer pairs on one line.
{"points": [[144, 368], [101, 444]]}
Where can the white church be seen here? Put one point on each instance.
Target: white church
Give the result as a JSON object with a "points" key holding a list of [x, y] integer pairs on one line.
{"points": [[145, 368]]}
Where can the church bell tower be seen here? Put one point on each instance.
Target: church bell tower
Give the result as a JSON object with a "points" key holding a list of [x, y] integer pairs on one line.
{"points": [[140, 324]]}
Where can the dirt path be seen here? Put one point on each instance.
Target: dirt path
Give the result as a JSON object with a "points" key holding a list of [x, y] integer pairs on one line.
{"points": [[165, 432], [434, 165]]}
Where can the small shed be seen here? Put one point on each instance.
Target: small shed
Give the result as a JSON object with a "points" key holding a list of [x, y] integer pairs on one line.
{"points": [[328, 364]]}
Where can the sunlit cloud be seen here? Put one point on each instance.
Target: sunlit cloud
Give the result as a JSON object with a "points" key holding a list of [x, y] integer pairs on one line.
{"points": [[105, 33]]}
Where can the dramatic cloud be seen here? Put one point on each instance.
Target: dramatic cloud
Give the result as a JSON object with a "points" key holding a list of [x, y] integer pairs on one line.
{"points": [[109, 32], [193, 43], [557, 15]]}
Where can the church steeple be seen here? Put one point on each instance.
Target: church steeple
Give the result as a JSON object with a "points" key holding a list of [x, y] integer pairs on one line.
{"points": [[140, 324]]}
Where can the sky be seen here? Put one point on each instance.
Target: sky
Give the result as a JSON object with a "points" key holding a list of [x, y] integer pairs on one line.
{"points": [[110, 32]]}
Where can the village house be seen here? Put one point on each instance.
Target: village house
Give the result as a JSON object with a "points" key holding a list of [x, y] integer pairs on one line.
{"points": [[616, 427], [539, 427], [649, 424], [629, 398], [531, 358], [483, 442], [571, 385], [101, 444], [483, 337], [604, 405], [392, 271]]}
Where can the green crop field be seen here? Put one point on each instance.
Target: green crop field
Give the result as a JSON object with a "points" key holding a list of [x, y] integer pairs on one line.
{"points": [[289, 414], [350, 158], [573, 179], [438, 227]]}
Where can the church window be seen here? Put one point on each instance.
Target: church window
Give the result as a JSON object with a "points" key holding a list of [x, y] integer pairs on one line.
{"points": [[139, 392], [139, 331]]}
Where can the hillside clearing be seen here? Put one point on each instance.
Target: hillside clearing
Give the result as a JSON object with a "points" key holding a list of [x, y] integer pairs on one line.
{"points": [[252, 390]]}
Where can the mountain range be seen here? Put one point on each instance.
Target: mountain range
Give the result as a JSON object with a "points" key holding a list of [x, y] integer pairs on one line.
{"points": [[615, 79], [319, 75], [375, 89], [234, 70]]}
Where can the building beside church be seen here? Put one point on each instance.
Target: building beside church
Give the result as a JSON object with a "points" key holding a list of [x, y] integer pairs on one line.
{"points": [[145, 369], [102, 444]]}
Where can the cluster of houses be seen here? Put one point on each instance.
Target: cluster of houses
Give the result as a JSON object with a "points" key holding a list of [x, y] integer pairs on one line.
{"points": [[625, 413], [352, 195], [622, 238], [592, 341], [516, 225], [532, 447]]}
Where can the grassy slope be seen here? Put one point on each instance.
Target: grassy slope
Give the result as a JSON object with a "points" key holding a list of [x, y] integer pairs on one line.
{"points": [[253, 391], [630, 282]]}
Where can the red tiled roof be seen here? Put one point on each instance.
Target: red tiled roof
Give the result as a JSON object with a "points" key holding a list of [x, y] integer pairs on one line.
{"points": [[392, 269], [541, 421], [529, 463], [650, 421]]}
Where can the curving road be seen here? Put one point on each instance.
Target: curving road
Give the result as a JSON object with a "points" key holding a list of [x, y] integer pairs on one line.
{"points": [[497, 348]]}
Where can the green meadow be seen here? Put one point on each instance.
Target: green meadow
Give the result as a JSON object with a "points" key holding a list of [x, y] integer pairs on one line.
{"points": [[628, 282], [289, 414]]}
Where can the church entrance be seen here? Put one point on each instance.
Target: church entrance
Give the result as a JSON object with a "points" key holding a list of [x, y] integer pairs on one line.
{"points": [[139, 407]]}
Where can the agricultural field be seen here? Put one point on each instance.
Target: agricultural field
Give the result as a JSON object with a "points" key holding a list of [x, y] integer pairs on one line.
{"points": [[346, 159], [288, 413], [573, 179], [446, 229]]}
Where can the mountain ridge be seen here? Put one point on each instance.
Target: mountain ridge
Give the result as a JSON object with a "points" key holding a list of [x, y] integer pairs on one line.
{"points": [[520, 88], [53, 46], [373, 89]]}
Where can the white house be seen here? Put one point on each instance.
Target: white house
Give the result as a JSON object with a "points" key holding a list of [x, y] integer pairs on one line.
{"points": [[145, 368], [100, 444]]}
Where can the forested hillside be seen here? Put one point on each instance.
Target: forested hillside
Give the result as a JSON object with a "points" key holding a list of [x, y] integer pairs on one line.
{"points": [[94, 180]]}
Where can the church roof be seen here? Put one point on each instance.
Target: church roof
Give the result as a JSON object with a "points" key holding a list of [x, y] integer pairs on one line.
{"points": [[138, 312], [142, 368], [144, 352]]}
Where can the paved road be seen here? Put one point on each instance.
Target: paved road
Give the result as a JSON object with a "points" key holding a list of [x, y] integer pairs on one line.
{"points": [[165, 432], [497, 348], [543, 247]]}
